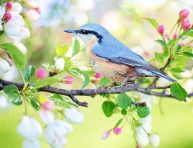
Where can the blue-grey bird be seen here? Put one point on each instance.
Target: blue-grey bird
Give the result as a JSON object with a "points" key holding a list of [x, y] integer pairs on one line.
{"points": [[113, 59]]}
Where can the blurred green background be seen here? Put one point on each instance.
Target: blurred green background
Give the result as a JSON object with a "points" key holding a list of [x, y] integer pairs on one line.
{"points": [[124, 18]]}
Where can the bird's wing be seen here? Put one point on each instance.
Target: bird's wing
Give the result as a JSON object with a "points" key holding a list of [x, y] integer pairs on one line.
{"points": [[120, 55]]}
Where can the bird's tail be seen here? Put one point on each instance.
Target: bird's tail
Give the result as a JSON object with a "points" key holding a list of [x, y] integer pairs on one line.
{"points": [[161, 74]]}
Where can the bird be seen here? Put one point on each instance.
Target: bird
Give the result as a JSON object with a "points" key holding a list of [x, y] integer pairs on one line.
{"points": [[111, 58]]}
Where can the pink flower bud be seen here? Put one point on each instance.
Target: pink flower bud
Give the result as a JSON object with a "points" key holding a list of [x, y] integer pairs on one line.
{"points": [[117, 130], [175, 36], [97, 75], [41, 73], [48, 105], [8, 6], [186, 24], [68, 80], [161, 29], [6, 17], [182, 43], [106, 134], [166, 36], [37, 9], [183, 13]]}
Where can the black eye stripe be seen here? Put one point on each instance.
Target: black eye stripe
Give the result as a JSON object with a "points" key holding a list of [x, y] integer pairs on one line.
{"points": [[83, 31]]}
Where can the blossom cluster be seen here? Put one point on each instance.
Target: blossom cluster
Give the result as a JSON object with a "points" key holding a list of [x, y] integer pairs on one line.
{"points": [[55, 131]]}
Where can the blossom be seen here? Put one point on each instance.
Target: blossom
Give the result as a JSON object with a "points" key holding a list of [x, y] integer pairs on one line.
{"points": [[74, 115], [175, 36], [8, 6], [20, 46], [161, 29], [48, 105], [186, 24], [117, 130], [68, 80], [106, 134], [29, 128], [154, 140], [183, 13], [16, 7], [182, 43], [41, 73], [32, 14], [146, 123], [55, 133], [31, 143], [59, 63], [141, 136], [166, 36], [46, 116], [15, 27], [4, 67], [6, 17], [97, 75], [4, 102]]}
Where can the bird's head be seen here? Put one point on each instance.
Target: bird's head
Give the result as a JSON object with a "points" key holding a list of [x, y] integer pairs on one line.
{"points": [[89, 32]]}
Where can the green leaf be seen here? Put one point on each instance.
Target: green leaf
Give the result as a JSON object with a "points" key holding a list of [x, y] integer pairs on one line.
{"points": [[123, 111], [159, 57], [143, 111], [45, 82], [17, 56], [188, 54], [153, 22], [124, 101], [78, 73], [105, 82], [13, 94], [118, 122], [76, 47], [189, 33], [62, 50], [35, 104], [178, 91], [177, 70], [28, 72], [108, 107], [162, 43]]}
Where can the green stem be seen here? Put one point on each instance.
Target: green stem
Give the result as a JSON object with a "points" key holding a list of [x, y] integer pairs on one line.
{"points": [[173, 29]]}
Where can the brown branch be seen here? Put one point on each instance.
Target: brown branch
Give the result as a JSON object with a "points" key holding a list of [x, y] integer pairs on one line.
{"points": [[91, 92]]}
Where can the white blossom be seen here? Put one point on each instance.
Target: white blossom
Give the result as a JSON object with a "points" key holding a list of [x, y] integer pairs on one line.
{"points": [[31, 143], [16, 7], [20, 46], [15, 27], [4, 104], [32, 3], [74, 115], [12, 74], [59, 63], [29, 128], [32, 14], [146, 123], [154, 140], [55, 133], [4, 67], [46, 116], [141, 136]]}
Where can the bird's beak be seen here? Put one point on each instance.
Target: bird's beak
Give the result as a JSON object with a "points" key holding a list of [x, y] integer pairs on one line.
{"points": [[70, 31]]}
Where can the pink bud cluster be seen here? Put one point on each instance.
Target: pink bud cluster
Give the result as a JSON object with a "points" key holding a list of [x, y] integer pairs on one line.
{"points": [[116, 131], [183, 18]]}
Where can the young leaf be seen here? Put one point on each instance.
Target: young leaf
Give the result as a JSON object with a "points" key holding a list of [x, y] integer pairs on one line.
{"points": [[45, 82], [153, 22], [123, 101], [177, 70], [28, 72], [35, 104], [178, 91], [118, 122], [188, 54], [159, 57], [62, 50], [76, 47], [143, 111], [13, 94], [104, 82], [78, 73], [162, 43], [18, 57], [108, 107]]}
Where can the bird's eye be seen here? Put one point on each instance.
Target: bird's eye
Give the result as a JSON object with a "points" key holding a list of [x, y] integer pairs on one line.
{"points": [[83, 31]]}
